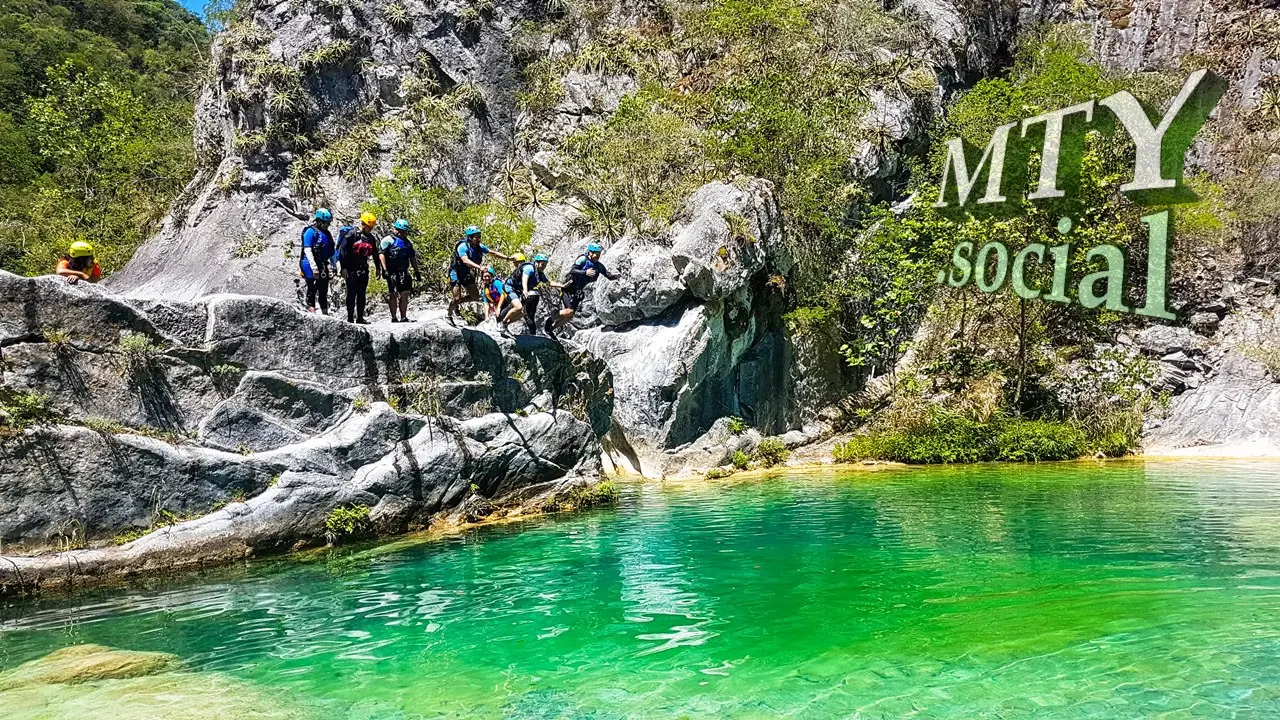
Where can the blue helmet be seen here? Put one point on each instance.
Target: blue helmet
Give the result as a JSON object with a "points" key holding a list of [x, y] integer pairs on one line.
{"points": [[594, 247], [323, 215], [402, 224], [471, 230], [540, 258]]}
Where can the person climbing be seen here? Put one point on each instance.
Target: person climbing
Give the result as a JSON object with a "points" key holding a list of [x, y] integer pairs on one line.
{"points": [[316, 264], [513, 284], [355, 247], [586, 270], [533, 276], [497, 300], [79, 264], [395, 257], [467, 261]]}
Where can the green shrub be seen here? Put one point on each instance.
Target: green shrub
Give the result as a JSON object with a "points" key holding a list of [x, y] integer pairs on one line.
{"points": [[250, 246], [864, 447], [737, 425], [1115, 443], [439, 216], [598, 495], [347, 521], [941, 437], [1036, 440], [137, 349], [56, 336], [945, 438], [718, 473], [105, 426], [771, 451], [129, 536], [740, 460], [21, 410]]}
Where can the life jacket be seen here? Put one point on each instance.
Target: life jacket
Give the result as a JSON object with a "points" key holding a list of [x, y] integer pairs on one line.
{"points": [[578, 282], [517, 278], [494, 291], [398, 255], [322, 246], [475, 254]]}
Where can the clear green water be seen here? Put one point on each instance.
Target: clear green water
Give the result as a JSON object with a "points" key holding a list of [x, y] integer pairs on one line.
{"points": [[1057, 591]]}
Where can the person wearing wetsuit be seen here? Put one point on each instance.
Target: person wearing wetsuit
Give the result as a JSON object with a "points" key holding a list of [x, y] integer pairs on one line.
{"points": [[532, 280], [316, 263], [355, 247], [467, 262], [586, 269]]}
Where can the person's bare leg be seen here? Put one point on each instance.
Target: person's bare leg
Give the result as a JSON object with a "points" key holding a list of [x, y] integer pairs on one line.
{"points": [[404, 307]]}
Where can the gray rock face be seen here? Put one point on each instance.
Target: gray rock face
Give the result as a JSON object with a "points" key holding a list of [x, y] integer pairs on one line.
{"points": [[269, 411], [1227, 394], [228, 375], [689, 333], [404, 470]]}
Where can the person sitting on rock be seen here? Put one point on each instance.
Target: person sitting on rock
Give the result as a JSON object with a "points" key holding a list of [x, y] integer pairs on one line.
{"points": [[533, 277], [316, 264], [467, 261], [79, 264], [586, 269], [396, 255], [497, 300], [513, 284], [355, 247]]}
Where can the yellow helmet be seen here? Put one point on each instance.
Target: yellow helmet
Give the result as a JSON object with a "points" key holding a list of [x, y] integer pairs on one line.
{"points": [[81, 248], [519, 257], [368, 219]]}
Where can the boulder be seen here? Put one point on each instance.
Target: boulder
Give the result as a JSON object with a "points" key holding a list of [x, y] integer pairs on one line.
{"points": [[648, 283], [728, 239]]}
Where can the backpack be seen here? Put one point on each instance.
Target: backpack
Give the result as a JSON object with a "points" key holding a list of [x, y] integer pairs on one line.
{"points": [[353, 244]]}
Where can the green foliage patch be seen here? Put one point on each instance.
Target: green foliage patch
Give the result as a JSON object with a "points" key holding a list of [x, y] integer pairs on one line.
{"points": [[771, 452], [439, 217], [343, 522], [945, 437], [20, 410], [96, 100]]}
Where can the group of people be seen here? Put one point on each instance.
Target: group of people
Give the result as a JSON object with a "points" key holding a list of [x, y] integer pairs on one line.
{"points": [[507, 300], [350, 255]]}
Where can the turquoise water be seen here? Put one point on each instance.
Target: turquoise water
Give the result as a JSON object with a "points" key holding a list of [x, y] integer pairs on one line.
{"points": [[1051, 591]]}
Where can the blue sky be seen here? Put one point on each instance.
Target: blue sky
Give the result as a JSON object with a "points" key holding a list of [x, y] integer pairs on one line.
{"points": [[195, 6]]}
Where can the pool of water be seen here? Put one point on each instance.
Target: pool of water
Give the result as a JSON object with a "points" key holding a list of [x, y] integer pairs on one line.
{"points": [[1051, 591]]}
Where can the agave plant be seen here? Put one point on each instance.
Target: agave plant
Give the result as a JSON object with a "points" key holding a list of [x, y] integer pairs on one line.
{"points": [[1269, 105], [398, 17], [283, 103]]}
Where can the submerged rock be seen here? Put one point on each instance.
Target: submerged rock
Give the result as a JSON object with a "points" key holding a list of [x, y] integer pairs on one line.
{"points": [[154, 695], [85, 663]]}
